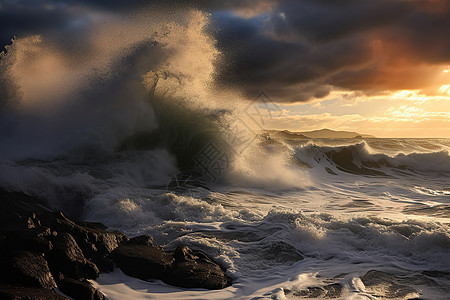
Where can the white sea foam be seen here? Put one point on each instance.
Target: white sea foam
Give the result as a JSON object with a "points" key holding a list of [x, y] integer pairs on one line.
{"points": [[262, 256]]}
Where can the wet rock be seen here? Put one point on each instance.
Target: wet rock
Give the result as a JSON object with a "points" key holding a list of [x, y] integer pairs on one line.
{"points": [[328, 291], [145, 239], [3, 245], [95, 242], [20, 211], [27, 268], [184, 253], [32, 240], [311, 292], [93, 225], [35, 239], [142, 261], [193, 269], [104, 264], [333, 290], [68, 259], [281, 252], [185, 268], [34, 254], [38, 246], [385, 285], [16, 292], [79, 290]]}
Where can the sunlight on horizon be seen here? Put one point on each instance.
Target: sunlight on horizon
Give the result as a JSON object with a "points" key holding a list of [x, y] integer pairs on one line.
{"points": [[397, 114]]}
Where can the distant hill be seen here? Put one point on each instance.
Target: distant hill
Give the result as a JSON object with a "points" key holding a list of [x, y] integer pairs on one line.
{"points": [[318, 134], [331, 134], [286, 134]]}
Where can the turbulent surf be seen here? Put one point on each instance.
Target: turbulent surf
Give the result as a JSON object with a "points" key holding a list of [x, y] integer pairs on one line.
{"points": [[136, 135]]}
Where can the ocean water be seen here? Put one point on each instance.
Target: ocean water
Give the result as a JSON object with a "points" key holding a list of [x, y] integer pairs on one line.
{"points": [[133, 133], [343, 207]]}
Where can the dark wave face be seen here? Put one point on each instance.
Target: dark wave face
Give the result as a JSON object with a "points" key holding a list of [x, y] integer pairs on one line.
{"points": [[365, 158]]}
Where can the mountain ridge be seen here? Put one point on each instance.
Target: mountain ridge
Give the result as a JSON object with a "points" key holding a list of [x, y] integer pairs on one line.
{"points": [[321, 133]]}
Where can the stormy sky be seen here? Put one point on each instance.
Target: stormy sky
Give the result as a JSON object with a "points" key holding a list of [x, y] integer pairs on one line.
{"points": [[309, 47], [296, 50], [326, 59]]}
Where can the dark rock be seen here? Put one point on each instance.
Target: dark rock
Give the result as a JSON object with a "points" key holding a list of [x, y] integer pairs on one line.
{"points": [[102, 240], [186, 268], [328, 291], [3, 245], [184, 253], [32, 239], [96, 243], [104, 264], [28, 236], [35, 239], [16, 292], [68, 259], [145, 239], [20, 211], [311, 292], [142, 261], [79, 290], [280, 252], [385, 285], [193, 269], [333, 290], [28, 268], [38, 246], [93, 225]]}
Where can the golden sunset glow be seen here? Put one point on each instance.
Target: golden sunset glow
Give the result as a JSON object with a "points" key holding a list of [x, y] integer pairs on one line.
{"points": [[406, 113]]}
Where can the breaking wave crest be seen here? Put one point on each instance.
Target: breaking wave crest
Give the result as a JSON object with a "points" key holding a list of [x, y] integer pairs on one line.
{"points": [[361, 159], [136, 82]]}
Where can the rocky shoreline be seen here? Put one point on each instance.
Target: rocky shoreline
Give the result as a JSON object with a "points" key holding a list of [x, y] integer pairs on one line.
{"points": [[45, 255]]}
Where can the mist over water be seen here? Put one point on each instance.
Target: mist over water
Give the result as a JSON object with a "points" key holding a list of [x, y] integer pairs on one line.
{"points": [[125, 124]]}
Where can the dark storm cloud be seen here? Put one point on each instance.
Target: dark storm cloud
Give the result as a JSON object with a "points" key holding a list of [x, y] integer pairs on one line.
{"points": [[325, 21], [20, 18], [61, 17], [295, 50], [301, 49], [427, 35]]}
